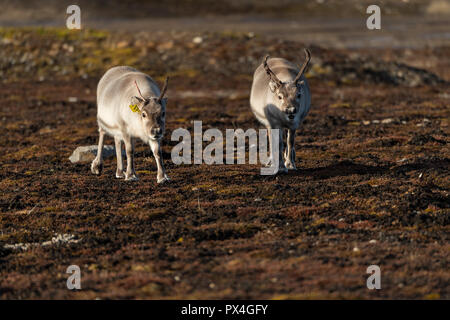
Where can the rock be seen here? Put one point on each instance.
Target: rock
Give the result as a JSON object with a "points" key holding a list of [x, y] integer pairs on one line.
{"points": [[387, 121], [197, 40], [88, 153], [122, 44]]}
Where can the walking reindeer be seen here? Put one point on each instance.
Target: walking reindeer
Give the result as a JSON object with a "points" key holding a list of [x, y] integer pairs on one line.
{"points": [[125, 116], [280, 99]]}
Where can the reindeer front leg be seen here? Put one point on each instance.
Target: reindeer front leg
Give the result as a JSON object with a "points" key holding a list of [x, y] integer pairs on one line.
{"points": [[130, 174], [289, 155], [282, 167], [119, 171], [97, 163], [157, 153]]}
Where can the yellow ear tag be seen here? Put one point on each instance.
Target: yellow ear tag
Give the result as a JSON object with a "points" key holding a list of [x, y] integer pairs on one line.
{"points": [[134, 108]]}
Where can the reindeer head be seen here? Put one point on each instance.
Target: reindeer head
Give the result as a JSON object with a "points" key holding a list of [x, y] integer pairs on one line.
{"points": [[288, 94], [152, 112]]}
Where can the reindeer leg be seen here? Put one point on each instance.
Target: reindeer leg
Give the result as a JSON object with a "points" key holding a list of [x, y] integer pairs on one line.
{"points": [[269, 160], [282, 167], [286, 150], [119, 171], [97, 163], [290, 150], [130, 174], [157, 153]]}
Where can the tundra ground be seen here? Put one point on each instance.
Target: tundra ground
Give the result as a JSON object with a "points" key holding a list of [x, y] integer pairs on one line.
{"points": [[371, 186]]}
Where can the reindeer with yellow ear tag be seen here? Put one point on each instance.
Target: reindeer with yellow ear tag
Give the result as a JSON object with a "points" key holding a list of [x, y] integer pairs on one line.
{"points": [[129, 106]]}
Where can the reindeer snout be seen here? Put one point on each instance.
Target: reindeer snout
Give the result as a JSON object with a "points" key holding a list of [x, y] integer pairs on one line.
{"points": [[291, 110], [156, 131]]}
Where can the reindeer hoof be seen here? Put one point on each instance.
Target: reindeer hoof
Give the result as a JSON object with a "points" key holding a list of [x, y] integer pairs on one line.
{"points": [[131, 177], [119, 174], [96, 168], [163, 179], [290, 166]]}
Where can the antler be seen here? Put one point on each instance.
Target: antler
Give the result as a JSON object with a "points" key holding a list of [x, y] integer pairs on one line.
{"points": [[305, 64], [138, 89], [272, 75], [163, 91]]}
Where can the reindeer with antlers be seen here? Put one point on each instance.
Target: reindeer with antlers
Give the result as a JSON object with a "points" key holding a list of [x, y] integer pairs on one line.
{"points": [[280, 99], [129, 106]]}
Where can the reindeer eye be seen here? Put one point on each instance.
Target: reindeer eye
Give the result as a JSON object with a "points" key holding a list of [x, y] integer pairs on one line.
{"points": [[144, 115], [280, 97]]}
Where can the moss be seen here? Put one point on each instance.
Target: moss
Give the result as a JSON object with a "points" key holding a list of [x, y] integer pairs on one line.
{"points": [[53, 32], [340, 105], [432, 296], [189, 73], [236, 190], [29, 153]]}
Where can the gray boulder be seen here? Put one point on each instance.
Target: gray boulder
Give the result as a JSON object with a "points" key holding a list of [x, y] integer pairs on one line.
{"points": [[88, 153]]}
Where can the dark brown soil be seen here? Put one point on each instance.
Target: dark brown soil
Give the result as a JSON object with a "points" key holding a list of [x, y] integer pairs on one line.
{"points": [[371, 186]]}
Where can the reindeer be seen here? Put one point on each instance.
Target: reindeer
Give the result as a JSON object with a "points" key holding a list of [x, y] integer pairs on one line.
{"points": [[125, 116], [280, 99]]}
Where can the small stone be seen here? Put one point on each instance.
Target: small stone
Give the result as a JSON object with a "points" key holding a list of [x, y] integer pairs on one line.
{"points": [[366, 122], [73, 99], [373, 241], [122, 44], [356, 249], [197, 40], [177, 278], [257, 199], [387, 121], [212, 285]]}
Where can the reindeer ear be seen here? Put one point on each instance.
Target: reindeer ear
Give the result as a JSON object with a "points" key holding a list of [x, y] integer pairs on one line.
{"points": [[136, 100], [136, 104], [272, 86]]}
